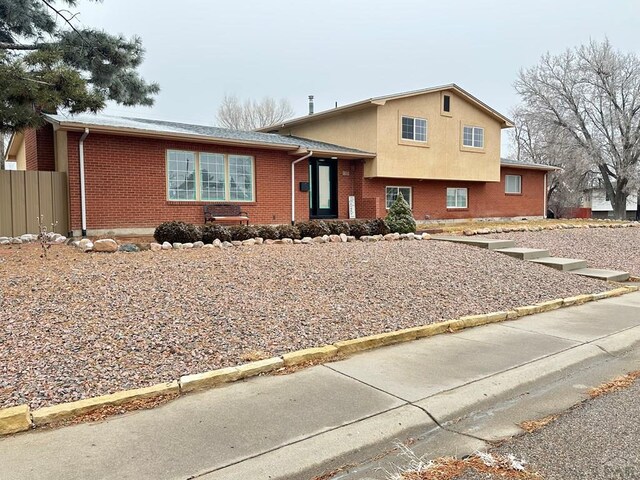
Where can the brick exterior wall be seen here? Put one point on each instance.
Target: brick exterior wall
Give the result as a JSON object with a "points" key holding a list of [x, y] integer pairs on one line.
{"points": [[126, 187], [39, 149], [429, 197], [126, 183]]}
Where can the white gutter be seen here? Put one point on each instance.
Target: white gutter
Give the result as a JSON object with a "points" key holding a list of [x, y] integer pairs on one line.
{"points": [[83, 197], [293, 185]]}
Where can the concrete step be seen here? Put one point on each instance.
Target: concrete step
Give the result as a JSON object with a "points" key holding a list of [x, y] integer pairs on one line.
{"points": [[559, 263], [608, 275], [524, 253], [489, 243]]}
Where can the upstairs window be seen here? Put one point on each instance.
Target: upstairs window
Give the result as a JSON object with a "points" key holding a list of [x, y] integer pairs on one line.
{"points": [[512, 184], [473, 137], [414, 129], [446, 103]]}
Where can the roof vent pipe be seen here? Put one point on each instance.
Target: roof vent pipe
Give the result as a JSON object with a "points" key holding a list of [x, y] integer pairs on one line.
{"points": [[310, 104]]}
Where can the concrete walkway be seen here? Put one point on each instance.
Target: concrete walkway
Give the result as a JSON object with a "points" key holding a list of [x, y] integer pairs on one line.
{"points": [[318, 419], [508, 247]]}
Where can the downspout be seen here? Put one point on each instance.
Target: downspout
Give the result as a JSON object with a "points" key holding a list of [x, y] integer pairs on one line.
{"points": [[83, 197], [544, 213], [293, 185]]}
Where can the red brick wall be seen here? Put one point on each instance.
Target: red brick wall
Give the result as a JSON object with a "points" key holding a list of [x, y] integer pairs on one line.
{"points": [[126, 183], [46, 149], [126, 187], [484, 199], [39, 149]]}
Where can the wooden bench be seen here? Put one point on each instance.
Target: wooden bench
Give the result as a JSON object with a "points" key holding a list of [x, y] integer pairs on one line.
{"points": [[220, 212]]}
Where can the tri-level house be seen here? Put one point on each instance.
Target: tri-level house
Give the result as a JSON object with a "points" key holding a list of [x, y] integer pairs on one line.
{"points": [[439, 147]]}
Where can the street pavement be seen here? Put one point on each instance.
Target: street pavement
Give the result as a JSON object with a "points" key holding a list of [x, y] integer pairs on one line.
{"points": [[598, 440], [450, 395]]}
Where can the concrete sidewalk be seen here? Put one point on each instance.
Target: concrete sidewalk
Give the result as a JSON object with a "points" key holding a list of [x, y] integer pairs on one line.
{"points": [[300, 425]]}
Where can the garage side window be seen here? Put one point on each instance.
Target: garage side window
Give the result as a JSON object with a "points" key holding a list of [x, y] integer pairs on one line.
{"points": [[512, 184]]}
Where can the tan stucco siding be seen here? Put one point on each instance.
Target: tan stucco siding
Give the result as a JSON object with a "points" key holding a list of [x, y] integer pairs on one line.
{"points": [[62, 156], [355, 129], [442, 156], [21, 156]]}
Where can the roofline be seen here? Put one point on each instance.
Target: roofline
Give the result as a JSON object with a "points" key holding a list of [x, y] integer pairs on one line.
{"points": [[378, 101], [531, 166], [291, 148]]}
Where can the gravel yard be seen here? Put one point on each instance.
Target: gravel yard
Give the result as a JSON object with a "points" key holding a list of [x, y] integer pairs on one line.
{"points": [[612, 248], [79, 325]]}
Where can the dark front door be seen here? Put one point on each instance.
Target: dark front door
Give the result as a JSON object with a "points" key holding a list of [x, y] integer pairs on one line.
{"points": [[323, 192]]}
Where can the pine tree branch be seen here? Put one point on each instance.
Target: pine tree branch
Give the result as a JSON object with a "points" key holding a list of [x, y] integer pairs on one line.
{"points": [[19, 46]]}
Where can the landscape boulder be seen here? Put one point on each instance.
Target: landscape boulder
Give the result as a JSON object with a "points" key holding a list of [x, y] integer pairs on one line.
{"points": [[105, 245], [129, 248], [85, 245]]}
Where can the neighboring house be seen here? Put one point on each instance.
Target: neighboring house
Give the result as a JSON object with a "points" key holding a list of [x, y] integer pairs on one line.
{"points": [[598, 201], [440, 147]]}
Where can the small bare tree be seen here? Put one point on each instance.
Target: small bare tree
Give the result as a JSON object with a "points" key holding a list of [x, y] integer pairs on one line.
{"points": [[591, 95], [251, 114]]}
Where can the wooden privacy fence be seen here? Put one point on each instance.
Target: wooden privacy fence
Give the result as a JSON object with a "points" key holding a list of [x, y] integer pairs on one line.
{"points": [[26, 197]]}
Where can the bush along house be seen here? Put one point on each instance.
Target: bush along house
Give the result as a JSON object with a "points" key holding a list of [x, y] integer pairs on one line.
{"points": [[439, 147]]}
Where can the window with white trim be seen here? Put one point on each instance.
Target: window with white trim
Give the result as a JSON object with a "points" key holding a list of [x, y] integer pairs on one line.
{"points": [[392, 194], [414, 129], [512, 184], [204, 176], [457, 198], [473, 136], [181, 175]]}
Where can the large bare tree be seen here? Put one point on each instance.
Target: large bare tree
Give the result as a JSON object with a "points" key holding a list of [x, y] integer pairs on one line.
{"points": [[252, 114], [547, 144], [591, 95]]}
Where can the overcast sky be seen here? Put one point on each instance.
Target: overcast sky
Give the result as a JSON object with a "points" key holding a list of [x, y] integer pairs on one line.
{"points": [[347, 50]]}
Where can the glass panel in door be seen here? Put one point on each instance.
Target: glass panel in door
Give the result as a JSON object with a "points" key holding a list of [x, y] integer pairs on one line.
{"points": [[324, 186]]}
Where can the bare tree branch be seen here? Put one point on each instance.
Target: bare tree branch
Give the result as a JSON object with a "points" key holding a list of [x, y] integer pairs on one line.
{"points": [[66, 20], [251, 114]]}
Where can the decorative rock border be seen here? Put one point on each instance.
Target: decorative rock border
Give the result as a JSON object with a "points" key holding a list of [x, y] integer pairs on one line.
{"points": [[342, 238], [20, 418], [555, 226], [109, 245], [53, 238]]}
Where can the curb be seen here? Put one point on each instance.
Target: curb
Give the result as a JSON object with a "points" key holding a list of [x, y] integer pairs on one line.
{"points": [[65, 411], [21, 418]]}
